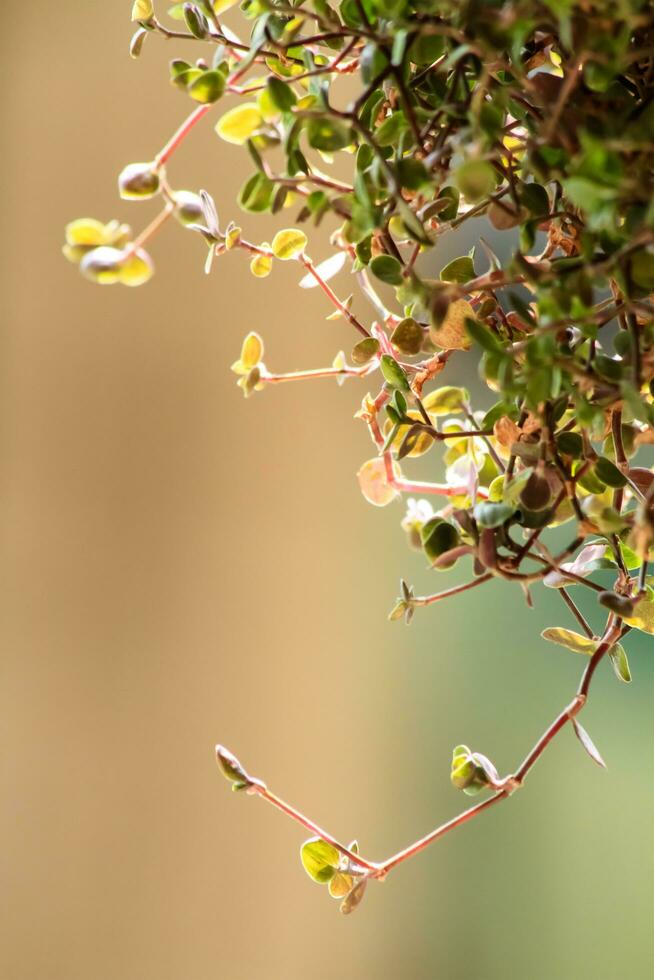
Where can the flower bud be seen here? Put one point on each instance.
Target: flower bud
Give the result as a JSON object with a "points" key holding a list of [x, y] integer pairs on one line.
{"points": [[138, 181]]}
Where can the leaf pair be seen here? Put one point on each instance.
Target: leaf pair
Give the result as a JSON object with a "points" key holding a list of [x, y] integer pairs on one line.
{"points": [[327, 866]]}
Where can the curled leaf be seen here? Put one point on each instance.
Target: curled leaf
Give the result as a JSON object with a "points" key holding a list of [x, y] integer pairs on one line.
{"points": [[588, 743], [619, 662]]}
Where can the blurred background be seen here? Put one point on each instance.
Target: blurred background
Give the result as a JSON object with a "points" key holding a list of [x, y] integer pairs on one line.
{"points": [[179, 567]]}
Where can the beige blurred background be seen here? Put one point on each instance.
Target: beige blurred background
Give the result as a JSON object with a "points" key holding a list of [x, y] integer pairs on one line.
{"points": [[179, 566]]}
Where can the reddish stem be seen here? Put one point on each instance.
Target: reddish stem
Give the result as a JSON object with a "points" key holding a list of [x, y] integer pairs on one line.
{"points": [[164, 155], [328, 291]]}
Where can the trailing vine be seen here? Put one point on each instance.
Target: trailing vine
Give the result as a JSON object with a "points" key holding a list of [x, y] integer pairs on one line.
{"points": [[537, 117]]}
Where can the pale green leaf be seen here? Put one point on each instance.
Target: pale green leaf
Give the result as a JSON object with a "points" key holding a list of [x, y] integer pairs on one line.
{"points": [[569, 639]]}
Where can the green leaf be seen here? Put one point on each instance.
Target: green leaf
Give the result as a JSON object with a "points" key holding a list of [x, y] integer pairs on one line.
{"points": [[619, 662], [458, 270], [476, 180], [319, 859], [570, 444], [256, 193], [364, 351], [489, 514], [408, 336], [392, 128], [438, 536], [388, 269], [482, 336], [569, 639], [327, 134], [208, 87], [195, 21], [608, 473], [393, 374], [281, 94]]}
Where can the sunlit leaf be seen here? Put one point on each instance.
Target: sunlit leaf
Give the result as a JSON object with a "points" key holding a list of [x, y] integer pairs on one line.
{"points": [[237, 125], [289, 243], [569, 639], [319, 859], [373, 482]]}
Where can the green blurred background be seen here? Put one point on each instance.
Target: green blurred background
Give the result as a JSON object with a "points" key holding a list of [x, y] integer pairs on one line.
{"points": [[179, 566]]}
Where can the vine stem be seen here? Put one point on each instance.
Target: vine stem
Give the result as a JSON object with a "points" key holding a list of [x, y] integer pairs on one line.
{"points": [[429, 599], [504, 787], [177, 138], [334, 372], [152, 229], [262, 791], [329, 292]]}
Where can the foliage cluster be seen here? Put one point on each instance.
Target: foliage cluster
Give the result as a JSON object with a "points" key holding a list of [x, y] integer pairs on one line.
{"points": [[537, 117]]}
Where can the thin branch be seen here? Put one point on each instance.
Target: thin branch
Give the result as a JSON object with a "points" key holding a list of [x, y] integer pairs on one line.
{"points": [[508, 785]]}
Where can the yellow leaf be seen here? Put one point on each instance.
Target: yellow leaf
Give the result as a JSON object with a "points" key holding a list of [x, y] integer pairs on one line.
{"points": [[452, 334], [86, 231], [261, 266], [237, 125], [142, 10], [232, 237], [642, 616], [340, 885], [289, 243], [374, 482], [423, 441], [138, 269], [265, 104], [252, 350]]}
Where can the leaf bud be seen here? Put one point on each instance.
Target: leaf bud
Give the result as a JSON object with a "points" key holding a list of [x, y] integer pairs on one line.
{"points": [[188, 208], [138, 181], [195, 21], [102, 265], [232, 768], [471, 771]]}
